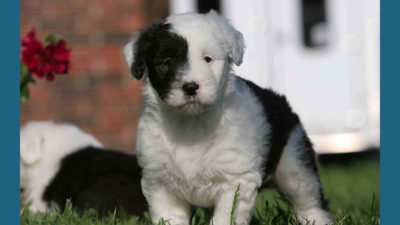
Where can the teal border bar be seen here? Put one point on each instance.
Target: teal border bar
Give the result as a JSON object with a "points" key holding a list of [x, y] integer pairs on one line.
{"points": [[390, 111], [9, 108]]}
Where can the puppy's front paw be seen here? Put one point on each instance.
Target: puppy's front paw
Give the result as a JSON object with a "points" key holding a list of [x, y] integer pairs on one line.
{"points": [[315, 216], [174, 221], [38, 206]]}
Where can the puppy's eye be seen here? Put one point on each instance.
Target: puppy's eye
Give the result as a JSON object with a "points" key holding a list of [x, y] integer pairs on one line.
{"points": [[165, 62], [162, 66], [208, 59]]}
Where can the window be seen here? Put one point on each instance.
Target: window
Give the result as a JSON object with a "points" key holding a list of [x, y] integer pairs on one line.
{"points": [[203, 6], [314, 23]]}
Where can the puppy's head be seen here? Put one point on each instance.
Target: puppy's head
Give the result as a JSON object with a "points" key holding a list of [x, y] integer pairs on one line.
{"points": [[32, 138], [187, 59]]}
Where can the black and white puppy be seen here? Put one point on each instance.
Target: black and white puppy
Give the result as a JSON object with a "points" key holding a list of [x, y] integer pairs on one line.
{"points": [[60, 162], [203, 130]]}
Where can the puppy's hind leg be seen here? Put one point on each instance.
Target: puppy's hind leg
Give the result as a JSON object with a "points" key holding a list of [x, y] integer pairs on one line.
{"points": [[296, 176]]}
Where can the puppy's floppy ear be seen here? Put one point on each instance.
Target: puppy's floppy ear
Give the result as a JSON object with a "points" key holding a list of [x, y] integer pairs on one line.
{"points": [[232, 39], [31, 149], [134, 58]]}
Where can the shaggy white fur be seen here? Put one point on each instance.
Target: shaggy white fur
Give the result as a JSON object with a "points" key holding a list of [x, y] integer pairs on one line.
{"points": [[196, 151], [42, 145]]}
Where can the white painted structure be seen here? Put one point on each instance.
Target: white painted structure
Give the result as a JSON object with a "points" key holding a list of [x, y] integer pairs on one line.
{"points": [[334, 88]]}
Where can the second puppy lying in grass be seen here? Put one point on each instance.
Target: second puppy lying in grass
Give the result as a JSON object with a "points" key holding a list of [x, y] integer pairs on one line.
{"points": [[60, 162], [101, 179]]}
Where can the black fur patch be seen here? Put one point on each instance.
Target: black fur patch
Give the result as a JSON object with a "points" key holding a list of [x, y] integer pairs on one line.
{"points": [[99, 179], [163, 53], [281, 118], [308, 157]]}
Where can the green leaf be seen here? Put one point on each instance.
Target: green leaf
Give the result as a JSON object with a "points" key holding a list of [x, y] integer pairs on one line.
{"points": [[25, 76], [53, 38], [24, 69], [24, 93]]}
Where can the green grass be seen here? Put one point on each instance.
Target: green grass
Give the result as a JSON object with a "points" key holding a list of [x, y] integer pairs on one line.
{"points": [[352, 190]]}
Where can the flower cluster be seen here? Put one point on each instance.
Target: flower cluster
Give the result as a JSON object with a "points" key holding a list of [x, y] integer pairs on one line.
{"points": [[45, 61]]}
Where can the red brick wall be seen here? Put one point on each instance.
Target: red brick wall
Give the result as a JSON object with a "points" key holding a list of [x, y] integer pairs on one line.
{"points": [[97, 94]]}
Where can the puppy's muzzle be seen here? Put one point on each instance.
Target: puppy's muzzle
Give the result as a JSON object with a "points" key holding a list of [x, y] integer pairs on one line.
{"points": [[190, 88]]}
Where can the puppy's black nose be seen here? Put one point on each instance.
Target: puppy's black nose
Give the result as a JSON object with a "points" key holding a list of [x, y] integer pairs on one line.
{"points": [[190, 88]]}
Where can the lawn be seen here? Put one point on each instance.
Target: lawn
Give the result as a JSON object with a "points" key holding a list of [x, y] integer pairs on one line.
{"points": [[352, 189]]}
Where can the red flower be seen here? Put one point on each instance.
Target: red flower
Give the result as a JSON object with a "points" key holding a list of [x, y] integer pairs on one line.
{"points": [[29, 38], [45, 61]]}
